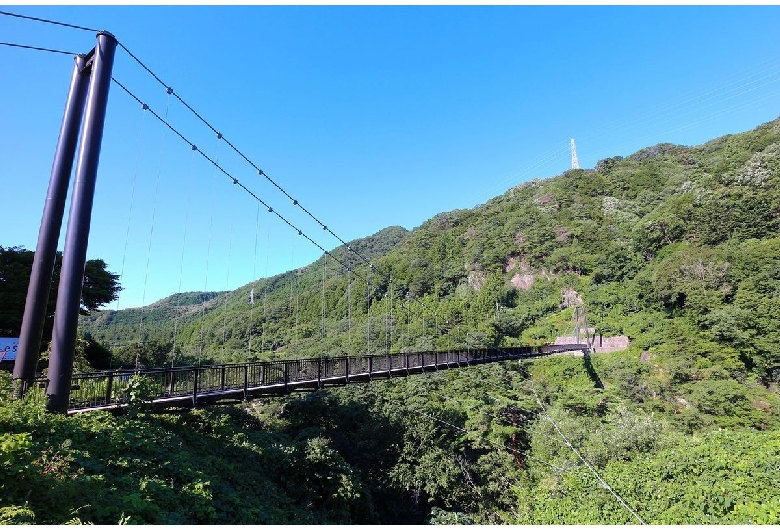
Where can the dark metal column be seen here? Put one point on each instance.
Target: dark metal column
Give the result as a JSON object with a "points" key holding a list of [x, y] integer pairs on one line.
{"points": [[49, 234], [75, 255]]}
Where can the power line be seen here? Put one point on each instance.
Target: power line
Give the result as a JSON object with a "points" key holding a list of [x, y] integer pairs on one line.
{"points": [[672, 109], [545, 160], [47, 21], [683, 109], [604, 484], [590, 467]]}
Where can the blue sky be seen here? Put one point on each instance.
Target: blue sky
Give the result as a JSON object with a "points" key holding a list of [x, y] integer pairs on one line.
{"points": [[369, 116]]}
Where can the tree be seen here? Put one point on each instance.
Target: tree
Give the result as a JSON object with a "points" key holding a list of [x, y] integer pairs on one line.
{"points": [[100, 287], [15, 267]]}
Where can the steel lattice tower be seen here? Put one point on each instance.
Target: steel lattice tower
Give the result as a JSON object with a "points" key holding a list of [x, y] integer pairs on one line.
{"points": [[575, 164]]}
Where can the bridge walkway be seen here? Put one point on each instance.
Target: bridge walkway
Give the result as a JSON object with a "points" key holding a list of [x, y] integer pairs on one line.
{"points": [[196, 386]]}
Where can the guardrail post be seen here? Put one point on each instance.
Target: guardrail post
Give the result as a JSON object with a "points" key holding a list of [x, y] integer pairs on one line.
{"points": [[436, 360], [319, 372], [370, 366], [286, 376], [347, 370], [109, 384], [246, 381], [195, 388], [172, 388], [222, 378]]}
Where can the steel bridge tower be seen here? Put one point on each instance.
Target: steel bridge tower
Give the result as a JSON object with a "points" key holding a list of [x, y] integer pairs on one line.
{"points": [[87, 102]]}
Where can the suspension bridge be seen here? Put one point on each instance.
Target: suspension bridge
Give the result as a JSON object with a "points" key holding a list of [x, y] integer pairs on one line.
{"points": [[197, 386], [156, 389], [63, 391]]}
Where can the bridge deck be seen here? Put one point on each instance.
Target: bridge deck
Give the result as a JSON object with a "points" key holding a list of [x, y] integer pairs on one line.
{"points": [[195, 386]]}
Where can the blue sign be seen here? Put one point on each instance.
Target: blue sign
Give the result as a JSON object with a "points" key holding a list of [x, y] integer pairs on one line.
{"points": [[8, 349]]}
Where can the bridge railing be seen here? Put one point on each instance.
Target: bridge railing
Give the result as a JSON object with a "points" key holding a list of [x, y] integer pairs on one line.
{"points": [[254, 374], [336, 367], [397, 362], [100, 389], [306, 370]]}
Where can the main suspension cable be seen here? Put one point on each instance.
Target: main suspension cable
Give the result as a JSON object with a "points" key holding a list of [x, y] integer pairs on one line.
{"points": [[260, 172], [37, 48], [230, 176], [208, 255], [257, 168], [47, 21]]}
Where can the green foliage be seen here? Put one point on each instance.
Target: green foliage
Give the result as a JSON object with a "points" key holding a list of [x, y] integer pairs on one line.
{"points": [[100, 287], [138, 393], [10, 444], [675, 247], [16, 515], [670, 232], [439, 516], [216, 466]]}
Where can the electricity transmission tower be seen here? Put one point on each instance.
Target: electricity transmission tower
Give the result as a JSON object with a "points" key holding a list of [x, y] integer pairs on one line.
{"points": [[575, 164]]}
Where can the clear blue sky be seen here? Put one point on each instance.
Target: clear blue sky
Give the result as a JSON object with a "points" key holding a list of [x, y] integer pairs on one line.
{"points": [[369, 116]]}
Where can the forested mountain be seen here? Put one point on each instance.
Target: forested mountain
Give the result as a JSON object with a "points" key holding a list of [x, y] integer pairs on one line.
{"points": [[676, 247], [669, 241], [191, 327]]}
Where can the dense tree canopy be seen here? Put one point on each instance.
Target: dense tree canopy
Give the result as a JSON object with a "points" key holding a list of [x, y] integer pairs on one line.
{"points": [[100, 287]]}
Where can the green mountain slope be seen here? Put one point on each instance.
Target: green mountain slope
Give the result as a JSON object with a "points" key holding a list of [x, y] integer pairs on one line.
{"points": [[676, 247], [197, 326], [667, 233]]}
